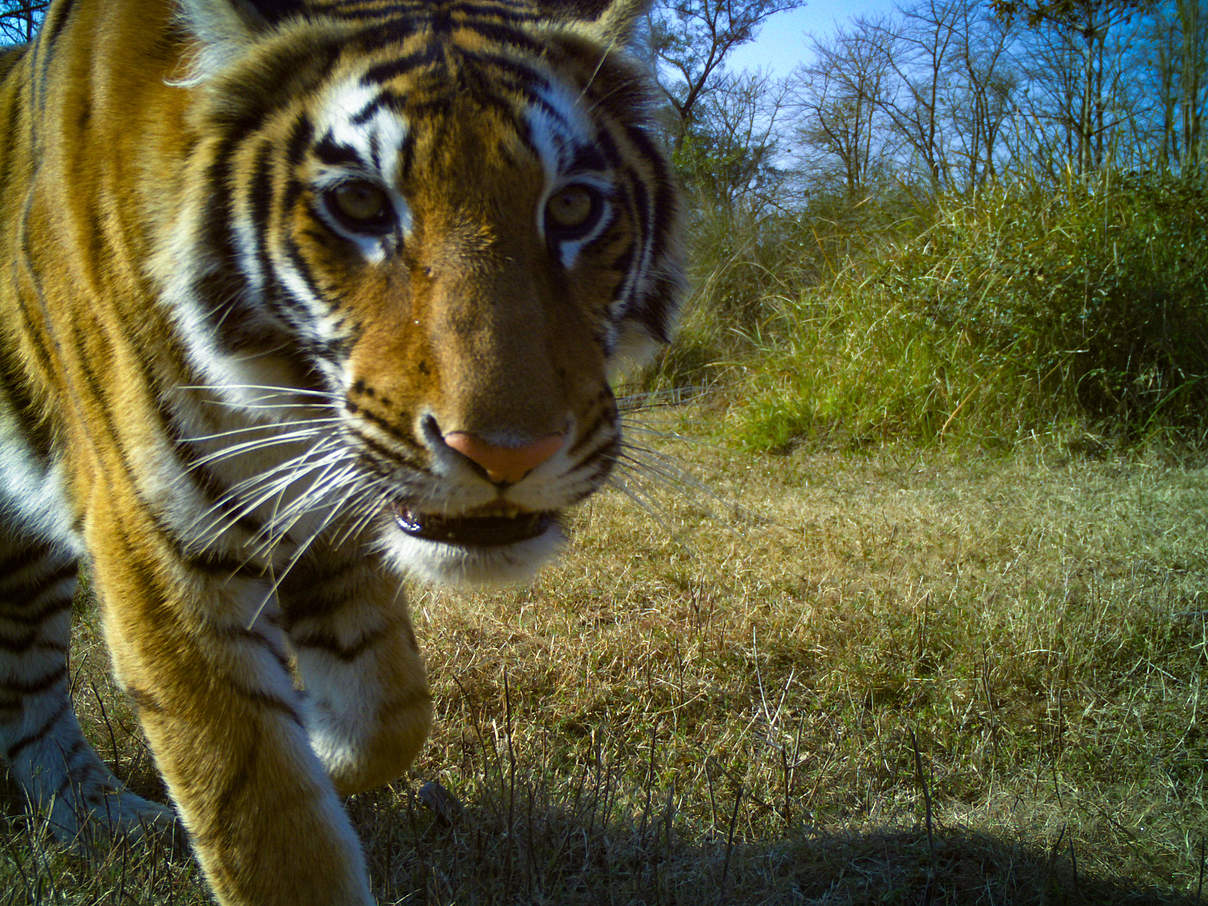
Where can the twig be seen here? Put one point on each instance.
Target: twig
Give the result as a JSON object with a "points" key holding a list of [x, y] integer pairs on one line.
{"points": [[725, 869], [918, 769]]}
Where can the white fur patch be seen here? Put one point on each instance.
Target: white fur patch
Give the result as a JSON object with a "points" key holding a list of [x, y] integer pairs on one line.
{"points": [[450, 564]]}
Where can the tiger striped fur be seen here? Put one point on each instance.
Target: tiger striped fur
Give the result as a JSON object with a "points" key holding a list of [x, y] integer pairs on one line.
{"points": [[297, 296]]}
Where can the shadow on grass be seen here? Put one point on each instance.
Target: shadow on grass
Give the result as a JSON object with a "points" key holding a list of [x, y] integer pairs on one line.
{"points": [[513, 850]]}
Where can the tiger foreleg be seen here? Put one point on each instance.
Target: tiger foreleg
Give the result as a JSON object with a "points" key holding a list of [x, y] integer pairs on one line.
{"points": [[368, 707], [217, 703], [58, 771]]}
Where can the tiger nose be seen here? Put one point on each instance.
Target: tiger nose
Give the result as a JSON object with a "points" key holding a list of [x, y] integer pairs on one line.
{"points": [[504, 464]]}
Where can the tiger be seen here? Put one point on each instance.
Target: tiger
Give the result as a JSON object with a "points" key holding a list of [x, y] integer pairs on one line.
{"points": [[301, 300]]}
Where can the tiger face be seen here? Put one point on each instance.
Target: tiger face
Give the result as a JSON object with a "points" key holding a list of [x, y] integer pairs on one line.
{"points": [[296, 295], [454, 238]]}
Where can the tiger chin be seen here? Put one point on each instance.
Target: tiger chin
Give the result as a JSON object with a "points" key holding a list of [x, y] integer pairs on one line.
{"points": [[299, 298]]}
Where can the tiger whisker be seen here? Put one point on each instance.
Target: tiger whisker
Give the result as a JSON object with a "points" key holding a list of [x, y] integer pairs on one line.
{"points": [[299, 552], [311, 500], [264, 486], [249, 429]]}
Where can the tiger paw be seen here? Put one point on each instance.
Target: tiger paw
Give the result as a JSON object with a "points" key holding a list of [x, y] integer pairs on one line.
{"points": [[94, 815]]}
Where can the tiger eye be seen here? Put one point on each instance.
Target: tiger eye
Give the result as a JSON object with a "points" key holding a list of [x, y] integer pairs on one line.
{"points": [[571, 208], [360, 201]]}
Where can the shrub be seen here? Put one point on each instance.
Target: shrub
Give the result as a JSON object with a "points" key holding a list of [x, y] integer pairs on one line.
{"points": [[744, 260], [1022, 311]]}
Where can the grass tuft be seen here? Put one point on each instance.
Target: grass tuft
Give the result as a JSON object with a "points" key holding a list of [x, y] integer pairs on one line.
{"points": [[1077, 314]]}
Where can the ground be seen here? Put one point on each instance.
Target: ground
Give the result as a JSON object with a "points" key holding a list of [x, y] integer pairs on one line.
{"points": [[890, 675]]}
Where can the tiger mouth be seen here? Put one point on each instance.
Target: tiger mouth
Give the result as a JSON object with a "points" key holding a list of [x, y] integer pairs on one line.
{"points": [[473, 531]]}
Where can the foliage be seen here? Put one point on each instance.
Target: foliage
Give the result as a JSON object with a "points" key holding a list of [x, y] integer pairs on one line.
{"points": [[745, 261], [1021, 312]]}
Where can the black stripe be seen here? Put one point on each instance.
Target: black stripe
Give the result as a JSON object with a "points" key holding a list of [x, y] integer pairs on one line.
{"points": [[368, 112], [30, 738], [29, 641], [36, 686], [600, 472], [664, 201], [329, 151], [300, 137], [34, 425], [44, 52], [624, 261], [264, 699], [31, 332], [242, 633], [19, 644], [502, 12], [24, 558], [644, 220], [408, 155], [375, 152], [144, 700], [391, 459], [589, 158], [382, 35], [501, 33], [56, 19], [277, 10], [317, 589], [294, 255], [71, 778], [384, 425], [525, 77], [329, 643], [220, 830], [590, 435], [314, 605], [429, 55], [45, 610], [28, 589]]}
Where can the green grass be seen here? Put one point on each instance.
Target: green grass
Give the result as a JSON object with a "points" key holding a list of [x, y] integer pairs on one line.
{"points": [[900, 675], [1074, 313]]}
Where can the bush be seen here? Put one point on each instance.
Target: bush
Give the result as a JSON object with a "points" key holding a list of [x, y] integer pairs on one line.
{"points": [[1023, 311], [743, 262]]}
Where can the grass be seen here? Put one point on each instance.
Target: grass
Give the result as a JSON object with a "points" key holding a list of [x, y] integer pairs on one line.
{"points": [[1078, 311], [889, 676]]}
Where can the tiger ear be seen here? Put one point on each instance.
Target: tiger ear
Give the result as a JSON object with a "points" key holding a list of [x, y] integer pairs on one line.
{"points": [[608, 21], [223, 28], [215, 21]]}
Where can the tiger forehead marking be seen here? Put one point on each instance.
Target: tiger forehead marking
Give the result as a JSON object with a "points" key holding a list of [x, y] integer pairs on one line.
{"points": [[298, 297]]}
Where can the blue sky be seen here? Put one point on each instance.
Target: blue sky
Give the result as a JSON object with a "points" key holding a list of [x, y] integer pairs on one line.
{"points": [[784, 40]]}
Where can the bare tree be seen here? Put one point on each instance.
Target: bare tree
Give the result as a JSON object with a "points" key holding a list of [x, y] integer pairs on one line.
{"points": [[19, 19], [691, 41], [1179, 57], [1076, 101], [920, 50], [730, 154], [982, 104], [839, 101]]}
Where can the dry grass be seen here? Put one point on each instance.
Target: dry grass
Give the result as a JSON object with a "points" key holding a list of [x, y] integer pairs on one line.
{"points": [[890, 677]]}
